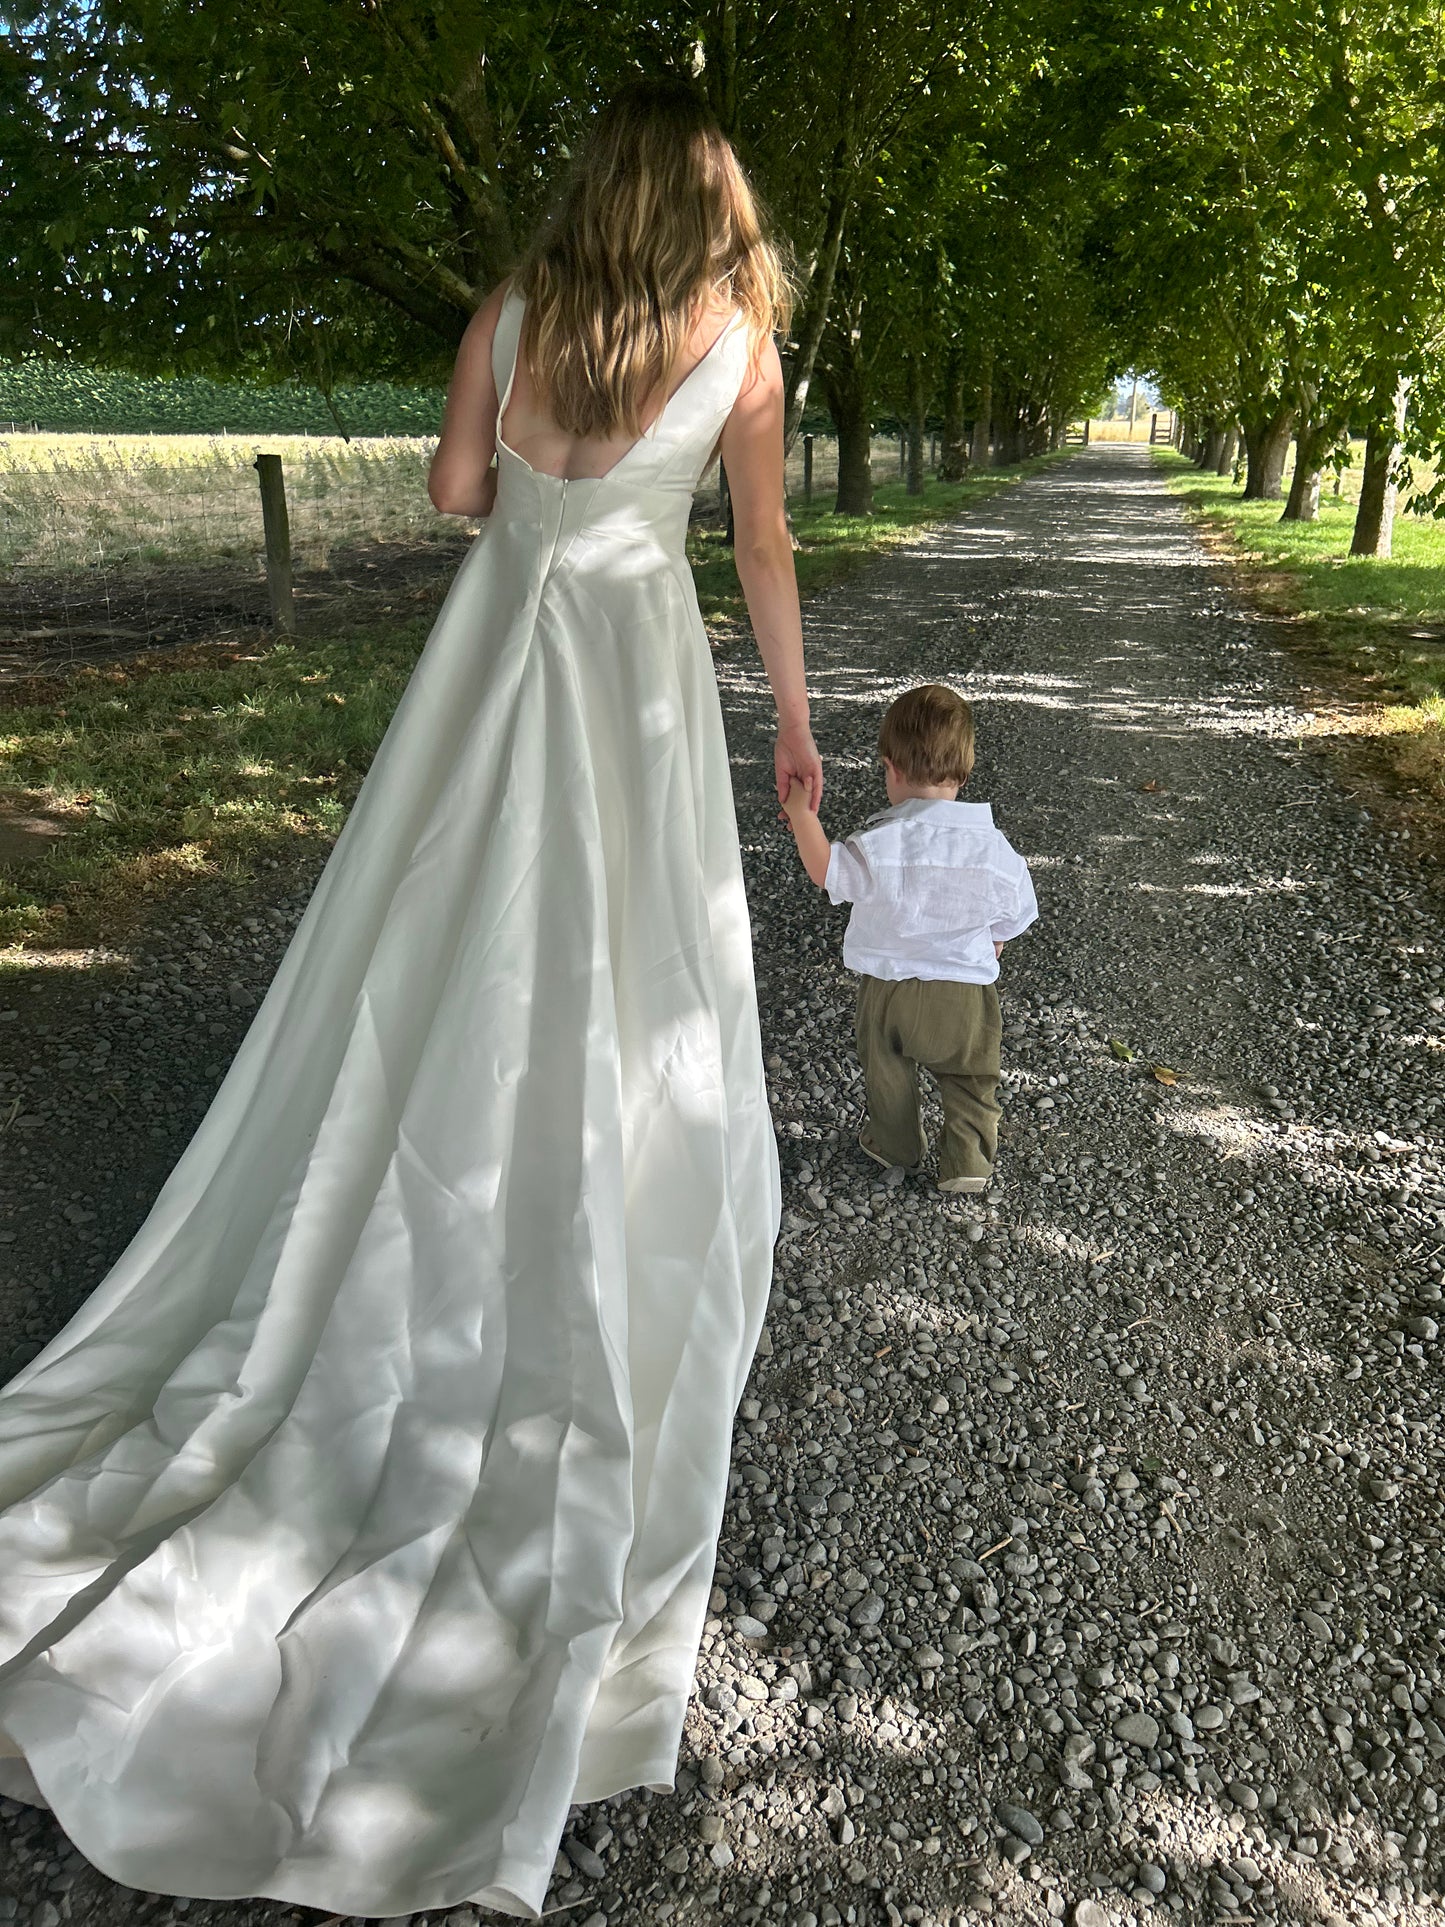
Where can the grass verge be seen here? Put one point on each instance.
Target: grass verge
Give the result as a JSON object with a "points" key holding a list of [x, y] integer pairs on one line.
{"points": [[145, 777], [1379, 626]]}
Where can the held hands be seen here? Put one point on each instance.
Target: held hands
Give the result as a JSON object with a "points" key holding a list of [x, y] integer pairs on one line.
{"points": [[796, 760], [814, 849], [796, 803]]}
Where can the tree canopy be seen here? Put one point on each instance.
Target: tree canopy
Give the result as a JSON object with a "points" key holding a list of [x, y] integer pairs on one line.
{"points": [[993, 206]]}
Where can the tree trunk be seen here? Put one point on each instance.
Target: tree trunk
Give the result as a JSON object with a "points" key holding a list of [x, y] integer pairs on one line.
{"points": [[1375, 518], [1304, 493], [820, 296], [1229, 450], [1266, 437], [1004, 432], [955, 445], [1312, 438], [855, 464], [722, 68], [917, 424], [846, 383], [1213, 447], [978, 450]]}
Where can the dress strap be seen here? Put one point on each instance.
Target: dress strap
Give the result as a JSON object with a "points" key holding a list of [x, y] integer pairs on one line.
{"points": [[506, 341]]}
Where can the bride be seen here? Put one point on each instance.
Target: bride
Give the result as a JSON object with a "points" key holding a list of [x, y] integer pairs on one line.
{"points": [[364, 1518]]}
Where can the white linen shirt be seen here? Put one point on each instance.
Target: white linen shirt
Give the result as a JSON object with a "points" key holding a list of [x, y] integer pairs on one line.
{"points": [[933, 885]]}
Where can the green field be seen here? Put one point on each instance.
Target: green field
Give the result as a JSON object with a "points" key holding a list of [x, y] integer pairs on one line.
{"points": [[58, 395]]}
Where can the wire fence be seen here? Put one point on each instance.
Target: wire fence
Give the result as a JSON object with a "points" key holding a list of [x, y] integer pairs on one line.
{"points": [[110, 544], [116, 544]]}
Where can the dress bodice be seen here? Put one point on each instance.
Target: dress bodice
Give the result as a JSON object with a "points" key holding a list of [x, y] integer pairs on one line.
{"points": [[647, 493]]}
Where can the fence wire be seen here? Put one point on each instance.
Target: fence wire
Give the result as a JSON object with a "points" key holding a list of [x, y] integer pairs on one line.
{"points": [[116, 544]]}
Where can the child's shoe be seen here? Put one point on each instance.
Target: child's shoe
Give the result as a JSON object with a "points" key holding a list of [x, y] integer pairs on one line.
{"points": [[877, 1156], [969, 1187]]}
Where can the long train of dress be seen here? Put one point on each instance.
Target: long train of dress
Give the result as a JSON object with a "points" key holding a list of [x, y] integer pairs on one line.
{"points": [[364, 1517]]}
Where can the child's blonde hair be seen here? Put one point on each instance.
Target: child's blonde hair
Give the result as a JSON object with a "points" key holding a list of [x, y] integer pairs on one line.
{"points": [[927, 735]]}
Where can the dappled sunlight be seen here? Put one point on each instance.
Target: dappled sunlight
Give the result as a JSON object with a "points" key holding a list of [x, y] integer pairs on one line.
{"points": [[1261, 886], [1229, 1129]]}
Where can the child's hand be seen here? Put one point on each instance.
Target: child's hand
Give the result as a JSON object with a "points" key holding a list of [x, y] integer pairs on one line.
{"points": [[798, 801], [997, 951], [808, 833]]}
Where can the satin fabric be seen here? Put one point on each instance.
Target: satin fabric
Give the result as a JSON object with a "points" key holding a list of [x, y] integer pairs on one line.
{"points": [[364, 1517]]}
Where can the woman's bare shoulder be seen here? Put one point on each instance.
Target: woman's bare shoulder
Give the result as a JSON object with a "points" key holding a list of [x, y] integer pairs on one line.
{"points": [[762, 381], [483, 324]]}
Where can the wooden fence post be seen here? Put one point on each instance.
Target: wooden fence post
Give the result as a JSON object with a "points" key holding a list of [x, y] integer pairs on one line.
{"points": [[807, 468], [278, 544]]}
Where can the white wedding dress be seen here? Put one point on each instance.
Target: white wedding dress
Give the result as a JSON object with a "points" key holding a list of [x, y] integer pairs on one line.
{"points": [[364, 1517]]}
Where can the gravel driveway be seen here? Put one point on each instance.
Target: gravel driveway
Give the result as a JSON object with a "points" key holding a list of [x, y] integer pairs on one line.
{"points": [[1084, 1553]]}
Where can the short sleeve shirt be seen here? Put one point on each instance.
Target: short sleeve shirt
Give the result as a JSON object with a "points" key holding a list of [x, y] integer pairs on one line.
{"points": [[933, 885]]}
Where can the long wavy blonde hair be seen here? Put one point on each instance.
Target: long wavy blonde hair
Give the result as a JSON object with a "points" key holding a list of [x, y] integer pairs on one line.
{"points": [[656, 214]]}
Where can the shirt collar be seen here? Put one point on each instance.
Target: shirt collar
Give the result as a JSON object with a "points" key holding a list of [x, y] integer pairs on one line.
{"points": [[978, 816]]}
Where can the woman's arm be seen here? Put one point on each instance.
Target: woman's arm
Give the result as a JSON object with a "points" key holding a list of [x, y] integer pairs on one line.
{"points": [[752, 452], [461, 479]]}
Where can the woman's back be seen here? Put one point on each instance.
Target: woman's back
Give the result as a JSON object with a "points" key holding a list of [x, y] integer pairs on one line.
{"points": [[529, 427]]}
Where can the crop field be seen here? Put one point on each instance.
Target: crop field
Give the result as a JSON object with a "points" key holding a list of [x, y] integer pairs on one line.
{"points": [[59, 395], [82, 501]]}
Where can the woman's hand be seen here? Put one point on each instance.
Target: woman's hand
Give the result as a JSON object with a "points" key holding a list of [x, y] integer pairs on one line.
{"points": [[796, 760]]}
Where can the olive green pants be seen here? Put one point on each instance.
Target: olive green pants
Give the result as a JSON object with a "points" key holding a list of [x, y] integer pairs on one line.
{"points": [[953, 1031]]}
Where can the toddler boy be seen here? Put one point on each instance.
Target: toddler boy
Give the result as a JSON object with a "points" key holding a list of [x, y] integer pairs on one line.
{"points": [[936, 892]]}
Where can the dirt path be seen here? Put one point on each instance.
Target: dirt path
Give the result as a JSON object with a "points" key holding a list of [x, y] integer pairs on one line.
{"points": [[1084, 1554]]}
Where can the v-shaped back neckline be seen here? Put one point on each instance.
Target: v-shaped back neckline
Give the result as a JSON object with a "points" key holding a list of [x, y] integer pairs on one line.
{"points": [[649, 434]]}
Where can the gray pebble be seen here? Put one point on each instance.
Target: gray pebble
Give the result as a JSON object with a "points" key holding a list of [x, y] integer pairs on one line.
{"points": [[1138, 1729], [1019, 1821]]}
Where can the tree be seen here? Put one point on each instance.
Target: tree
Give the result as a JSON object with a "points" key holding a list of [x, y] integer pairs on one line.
{"points": [[257, 181], [818, 95]]}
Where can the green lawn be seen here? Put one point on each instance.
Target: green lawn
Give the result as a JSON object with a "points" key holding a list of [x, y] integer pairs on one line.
{"points": [[160, 773], [212, 763], [1386, 618], [1383, 622]]}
